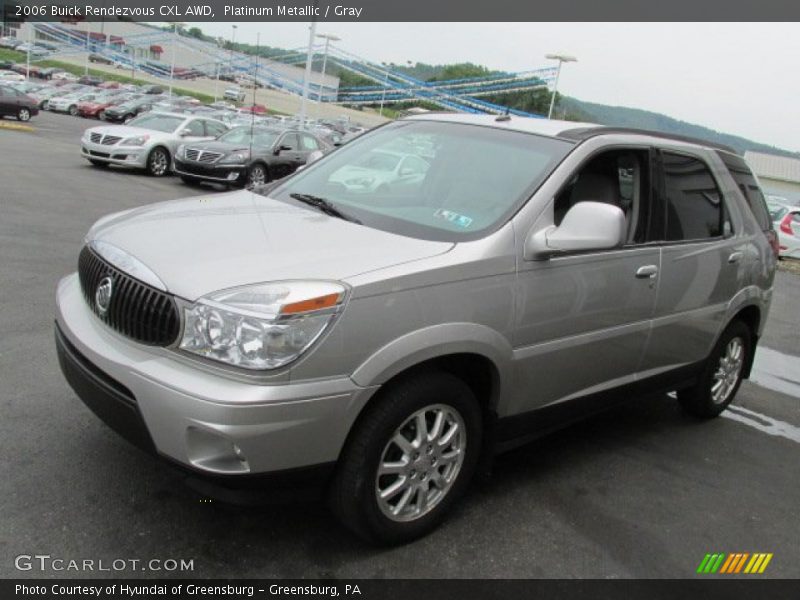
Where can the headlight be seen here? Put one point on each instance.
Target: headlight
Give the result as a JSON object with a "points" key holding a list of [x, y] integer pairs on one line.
{"points": [[236, 157], [262, 326], [139, 140]]}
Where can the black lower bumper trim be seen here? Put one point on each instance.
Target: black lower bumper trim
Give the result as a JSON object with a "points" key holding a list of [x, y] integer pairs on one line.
{"points": [[111, 401]]}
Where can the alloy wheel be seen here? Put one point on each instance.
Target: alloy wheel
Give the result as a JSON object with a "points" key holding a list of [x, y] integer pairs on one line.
{"points": [[728, 372], [420, 463], [24, 114], [158, 162], [257, 176]]}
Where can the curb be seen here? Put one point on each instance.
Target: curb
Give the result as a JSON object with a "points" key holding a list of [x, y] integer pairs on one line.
{"points": [[16, 126]]}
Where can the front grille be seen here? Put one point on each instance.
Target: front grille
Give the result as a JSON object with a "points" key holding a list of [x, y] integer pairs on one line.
{"points": [[208, 157], [105, 140], [202, 156], [136, 310]]}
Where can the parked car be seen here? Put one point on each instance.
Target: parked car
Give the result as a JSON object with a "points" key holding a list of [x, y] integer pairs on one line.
{"points": [[152, 89], [69, 102], [99, 58], [10, 77], [90, 80], [786, 219], [42, 96], [109, 85], [256, 109], [64, 76], [48, 72], [10, 42], [96, 108], [14, 103], [386, 344], [236, 94], [129, 110], [245, 156], [147, 142]]}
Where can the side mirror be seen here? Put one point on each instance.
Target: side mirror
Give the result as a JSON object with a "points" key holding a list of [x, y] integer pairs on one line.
{"points": [[281, 148], [406, 172], [586, 226], [184, 132]]}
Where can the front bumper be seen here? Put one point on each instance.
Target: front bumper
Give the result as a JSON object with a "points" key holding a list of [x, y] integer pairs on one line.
{"points": [[213, 172], [205, 422], [127, 156]]}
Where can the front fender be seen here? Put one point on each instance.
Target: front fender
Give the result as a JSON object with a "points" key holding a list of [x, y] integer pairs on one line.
{"points": [[432, 342]]}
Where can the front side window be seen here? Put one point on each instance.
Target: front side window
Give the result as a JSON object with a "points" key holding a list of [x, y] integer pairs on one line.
{"points": [[262, 138], [694, 208], [309, 143], [430, 179]]}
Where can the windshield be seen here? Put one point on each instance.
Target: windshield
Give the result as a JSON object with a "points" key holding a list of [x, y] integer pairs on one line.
{"points": [[776, 211], [241, 135], [164, 123], [431, 180]]}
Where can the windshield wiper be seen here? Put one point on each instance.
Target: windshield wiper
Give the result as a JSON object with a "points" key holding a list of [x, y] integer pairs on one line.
{"points": [[323, 205]]}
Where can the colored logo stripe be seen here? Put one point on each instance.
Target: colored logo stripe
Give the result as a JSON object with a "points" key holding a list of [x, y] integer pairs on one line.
{"points": [[734, 563]]}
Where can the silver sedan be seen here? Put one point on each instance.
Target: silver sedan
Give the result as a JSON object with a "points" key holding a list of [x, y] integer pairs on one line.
{"points": [[147, 142]]}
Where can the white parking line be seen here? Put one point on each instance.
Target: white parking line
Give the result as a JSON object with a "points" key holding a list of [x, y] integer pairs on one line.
{"points": [[776, 371], [763, 423]]}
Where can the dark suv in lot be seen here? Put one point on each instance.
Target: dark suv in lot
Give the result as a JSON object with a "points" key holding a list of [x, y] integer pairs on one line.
{"points": [[122, 113], [14, 103]]}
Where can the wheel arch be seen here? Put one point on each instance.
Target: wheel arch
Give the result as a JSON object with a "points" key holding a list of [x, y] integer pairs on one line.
{"points": [[750, 315]]}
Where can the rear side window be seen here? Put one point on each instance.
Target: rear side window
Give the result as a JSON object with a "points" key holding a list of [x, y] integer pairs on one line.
{"points": [[693, 200], [748, 185]]}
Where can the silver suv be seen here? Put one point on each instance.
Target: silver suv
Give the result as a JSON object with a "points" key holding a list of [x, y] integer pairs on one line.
{"points": [[383, 336]]}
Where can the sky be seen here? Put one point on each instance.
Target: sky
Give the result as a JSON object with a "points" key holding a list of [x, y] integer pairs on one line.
{"points": [[738, 78]]}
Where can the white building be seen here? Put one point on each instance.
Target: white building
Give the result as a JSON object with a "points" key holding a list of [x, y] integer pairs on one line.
{"points": [[778, 175]]}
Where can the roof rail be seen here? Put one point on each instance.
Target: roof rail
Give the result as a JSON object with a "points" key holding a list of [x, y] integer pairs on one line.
{"points": [[584, 133]]}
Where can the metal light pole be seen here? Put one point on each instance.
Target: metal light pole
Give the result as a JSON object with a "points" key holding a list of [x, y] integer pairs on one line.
{"points": [[172, 68], [385, 83], [561, 58], [312, 32], [328, 39], [28, 59], [88, 51], [216, 83], [233, 43]]}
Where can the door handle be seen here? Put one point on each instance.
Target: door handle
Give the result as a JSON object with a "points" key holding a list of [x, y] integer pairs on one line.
{"points": [[735, 257], [647, 272]]}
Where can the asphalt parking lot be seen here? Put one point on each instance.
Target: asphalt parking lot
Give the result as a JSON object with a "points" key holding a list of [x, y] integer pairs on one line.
{"points": [[641, 491]]}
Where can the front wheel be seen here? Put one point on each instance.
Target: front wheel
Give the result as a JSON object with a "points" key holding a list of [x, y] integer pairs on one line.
{"points": [[722, 375], [158, 162], [409, 459], [24, 115], [101, 115], [257, 175], [73, 111]]}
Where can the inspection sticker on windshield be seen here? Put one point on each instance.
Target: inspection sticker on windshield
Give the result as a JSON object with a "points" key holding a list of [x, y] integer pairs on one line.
{"points": [[455, 218]]}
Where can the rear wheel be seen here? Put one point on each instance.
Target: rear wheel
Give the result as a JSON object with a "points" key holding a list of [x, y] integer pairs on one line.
{"points": [[158, 162], [410, 458], [722, 375], [24, 115], [73, 110]]}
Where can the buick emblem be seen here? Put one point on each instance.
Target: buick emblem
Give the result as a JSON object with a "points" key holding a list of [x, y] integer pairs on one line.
{"points": [[102, 296]]}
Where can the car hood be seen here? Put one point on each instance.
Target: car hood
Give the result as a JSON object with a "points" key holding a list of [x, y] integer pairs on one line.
{"points": [[125, 131], [208, 243], [216, 146]]}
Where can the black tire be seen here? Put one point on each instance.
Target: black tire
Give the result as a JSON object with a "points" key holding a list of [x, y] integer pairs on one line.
{"points": [[699, 400], [158, 162], [352, 495], [98, 163], [24, 115]]}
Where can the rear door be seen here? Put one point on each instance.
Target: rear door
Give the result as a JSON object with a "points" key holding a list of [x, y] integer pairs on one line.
{"points": [[6, 100], [703, 262], [289, 155]]}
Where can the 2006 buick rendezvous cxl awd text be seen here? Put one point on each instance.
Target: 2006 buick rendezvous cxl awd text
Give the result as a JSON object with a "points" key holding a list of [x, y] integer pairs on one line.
{"points": [[505, 276]]}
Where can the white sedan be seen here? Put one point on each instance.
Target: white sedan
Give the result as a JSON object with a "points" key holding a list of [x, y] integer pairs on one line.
{"points": [[787, 223], [9, 76]]}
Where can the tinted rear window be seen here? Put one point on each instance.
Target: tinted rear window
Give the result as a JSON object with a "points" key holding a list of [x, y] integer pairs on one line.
{"points": [[748, 185]]}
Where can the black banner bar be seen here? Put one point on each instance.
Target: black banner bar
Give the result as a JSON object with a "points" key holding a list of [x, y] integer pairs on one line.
{"points": [[716, 588], [403, 11]]}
